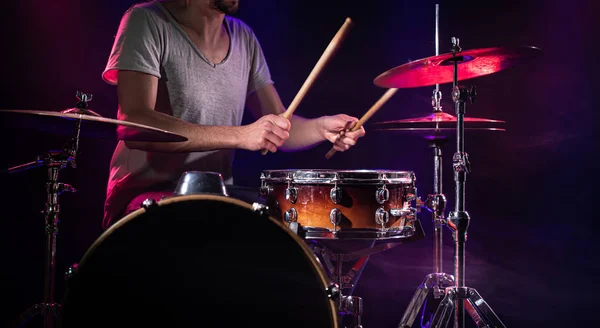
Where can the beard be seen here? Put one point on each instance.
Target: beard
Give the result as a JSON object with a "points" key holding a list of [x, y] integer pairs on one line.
{"points": [[228, 7]]}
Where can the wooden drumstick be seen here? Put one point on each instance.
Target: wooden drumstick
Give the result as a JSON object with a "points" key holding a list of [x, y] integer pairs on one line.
{"points": [[329, 51], [387, 95]]}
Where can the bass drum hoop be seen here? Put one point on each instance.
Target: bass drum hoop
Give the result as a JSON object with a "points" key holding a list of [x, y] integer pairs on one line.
{"points": [[315, 264]]}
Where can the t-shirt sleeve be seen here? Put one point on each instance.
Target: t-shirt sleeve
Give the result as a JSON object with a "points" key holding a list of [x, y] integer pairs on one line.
{"points": [[137, 46], [259, 70]]}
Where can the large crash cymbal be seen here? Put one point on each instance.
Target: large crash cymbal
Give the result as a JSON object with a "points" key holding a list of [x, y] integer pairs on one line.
{"points": [[440, 69], [437, 125], [92, 125]]}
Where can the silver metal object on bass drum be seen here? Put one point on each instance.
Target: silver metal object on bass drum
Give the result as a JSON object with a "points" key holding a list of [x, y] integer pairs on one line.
{"points": [[200, 182]]}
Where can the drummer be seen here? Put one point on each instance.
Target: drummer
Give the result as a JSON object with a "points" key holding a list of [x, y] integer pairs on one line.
{"points": [[188, 67]]}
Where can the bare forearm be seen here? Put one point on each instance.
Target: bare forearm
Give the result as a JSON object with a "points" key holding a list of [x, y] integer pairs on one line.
{"points": [[305, 133], [200, 137]]}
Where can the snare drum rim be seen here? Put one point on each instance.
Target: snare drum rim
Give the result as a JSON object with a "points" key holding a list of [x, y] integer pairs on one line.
{"points": [[325, 176], [311, 256]]}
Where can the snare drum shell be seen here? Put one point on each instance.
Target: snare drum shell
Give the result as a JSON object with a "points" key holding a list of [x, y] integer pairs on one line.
{"points": [[358, 206], [358, 203]]}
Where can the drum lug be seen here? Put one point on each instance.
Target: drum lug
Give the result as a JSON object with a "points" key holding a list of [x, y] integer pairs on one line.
{"points": [[382, 194], [291, 194], [382, 216], [291, 215], [335, 194], [335, 217]]}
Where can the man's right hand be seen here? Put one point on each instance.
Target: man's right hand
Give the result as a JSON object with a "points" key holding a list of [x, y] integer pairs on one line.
{"points": [[268, 132]]}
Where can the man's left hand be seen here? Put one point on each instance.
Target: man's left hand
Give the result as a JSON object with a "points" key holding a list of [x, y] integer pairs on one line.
{"points": [[337, 129]]}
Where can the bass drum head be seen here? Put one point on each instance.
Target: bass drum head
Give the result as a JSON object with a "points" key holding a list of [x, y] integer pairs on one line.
{"points": [[198, 260]]}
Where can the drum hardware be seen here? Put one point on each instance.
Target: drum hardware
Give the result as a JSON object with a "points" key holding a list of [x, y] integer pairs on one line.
{"points": [[457, 296], [435, 70], [473, 63], [350, 307], [68, 122], [200, 182], [54, 161], [438, 281]]}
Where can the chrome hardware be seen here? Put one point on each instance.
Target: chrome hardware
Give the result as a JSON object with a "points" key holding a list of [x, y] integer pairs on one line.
{"points": [[259, 208], [71, 271], [419, 204], [149, 202], [335, 194], [333, 291], [265, 190], [352, 305], [291, 215], [294, 226], [405, 213], [200, 182], [291, 194], [382, 216], [382, 194], [335, 216], [411, 193]]}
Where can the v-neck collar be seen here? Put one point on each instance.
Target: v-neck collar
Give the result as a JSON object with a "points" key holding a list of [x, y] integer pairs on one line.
{"points": [[189, 40]]}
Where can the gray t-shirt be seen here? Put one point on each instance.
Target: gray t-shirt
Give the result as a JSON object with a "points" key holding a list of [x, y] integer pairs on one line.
{"points": [[191, 88]]}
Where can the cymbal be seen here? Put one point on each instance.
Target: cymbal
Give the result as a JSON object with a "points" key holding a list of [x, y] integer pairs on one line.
{"points": [[92, 125], [440, 69], [437, 125]]}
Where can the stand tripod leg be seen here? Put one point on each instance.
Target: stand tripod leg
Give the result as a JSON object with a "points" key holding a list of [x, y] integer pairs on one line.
{"points": [[415, 305], [26, 316], [444, 312], [51, 314], [481, 312]]}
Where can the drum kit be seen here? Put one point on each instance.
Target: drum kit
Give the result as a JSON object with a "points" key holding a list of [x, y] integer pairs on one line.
{"points": [[193, 256]]}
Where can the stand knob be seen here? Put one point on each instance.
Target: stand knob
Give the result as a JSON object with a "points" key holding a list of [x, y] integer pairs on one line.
{"points": [[65, 187], [83, 99]]}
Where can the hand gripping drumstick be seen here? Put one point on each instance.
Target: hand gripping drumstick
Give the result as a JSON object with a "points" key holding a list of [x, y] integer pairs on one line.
{"points": [[387, 95], [329, 51]]}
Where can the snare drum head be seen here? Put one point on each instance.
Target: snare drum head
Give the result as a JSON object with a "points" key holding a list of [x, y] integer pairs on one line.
{"points": [[317, 176], [198, 260]]}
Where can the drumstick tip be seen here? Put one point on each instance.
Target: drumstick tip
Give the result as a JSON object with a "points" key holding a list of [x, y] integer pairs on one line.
{"points": [[348, 20]]}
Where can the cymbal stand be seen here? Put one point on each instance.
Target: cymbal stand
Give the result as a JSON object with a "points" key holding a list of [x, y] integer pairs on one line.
{"points": [[461, 297], [438, 281], [54, 161]]}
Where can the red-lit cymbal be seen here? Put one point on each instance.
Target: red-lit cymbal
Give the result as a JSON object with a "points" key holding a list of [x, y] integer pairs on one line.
{"points": [[437, 125], [440, 69]]}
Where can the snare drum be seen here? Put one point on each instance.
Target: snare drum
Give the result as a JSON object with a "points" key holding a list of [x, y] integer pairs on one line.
{"points": [[346, 204], [197, 260]]}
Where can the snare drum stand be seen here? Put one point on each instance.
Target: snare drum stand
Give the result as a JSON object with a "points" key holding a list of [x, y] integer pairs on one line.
{"points": [[438, 281], [54, 161], [350, 307], [461, 297]]}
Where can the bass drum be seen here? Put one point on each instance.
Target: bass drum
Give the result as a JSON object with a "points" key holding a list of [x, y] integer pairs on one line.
{"points": [[197, 260]]}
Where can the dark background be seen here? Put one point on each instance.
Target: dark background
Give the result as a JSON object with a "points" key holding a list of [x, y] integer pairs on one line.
{"points": [[531, 251]]}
